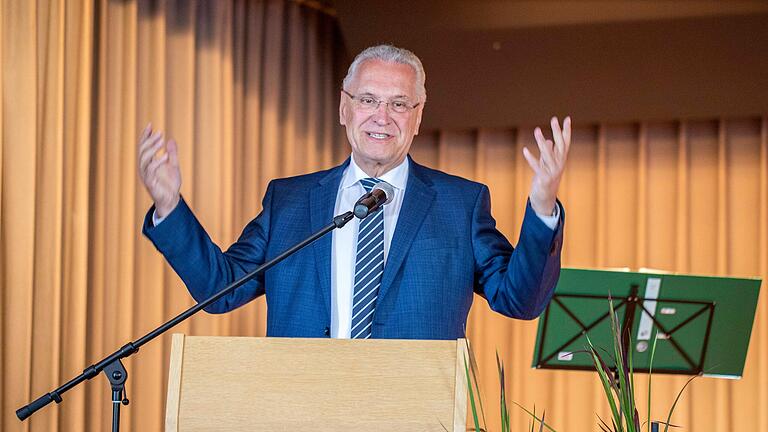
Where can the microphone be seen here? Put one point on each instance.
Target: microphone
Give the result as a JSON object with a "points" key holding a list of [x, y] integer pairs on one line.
{"points": [[369, 203]]}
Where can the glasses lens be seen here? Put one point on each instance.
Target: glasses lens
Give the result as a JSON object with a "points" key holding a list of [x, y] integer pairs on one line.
{"points": [[399, 106], [368, 103]]}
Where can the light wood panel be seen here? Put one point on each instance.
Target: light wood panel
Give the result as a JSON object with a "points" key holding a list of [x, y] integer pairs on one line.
{"points": [[236, 383]]}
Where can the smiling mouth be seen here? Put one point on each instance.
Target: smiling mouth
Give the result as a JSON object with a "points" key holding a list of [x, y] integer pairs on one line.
{"points": [[376, 135]]}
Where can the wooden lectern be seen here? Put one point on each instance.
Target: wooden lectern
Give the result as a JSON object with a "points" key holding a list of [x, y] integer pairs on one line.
{"points": [[277, 384]]}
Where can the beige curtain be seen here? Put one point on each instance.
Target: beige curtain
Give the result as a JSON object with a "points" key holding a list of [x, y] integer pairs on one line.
{"points": [[249, 90], [683, 196]]}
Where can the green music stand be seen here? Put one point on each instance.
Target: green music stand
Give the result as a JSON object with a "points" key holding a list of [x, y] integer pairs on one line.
{"points": [[702, 324]]}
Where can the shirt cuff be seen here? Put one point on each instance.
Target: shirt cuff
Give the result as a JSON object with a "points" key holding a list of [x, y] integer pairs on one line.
{"points": [[156, 220], [550, 221]]}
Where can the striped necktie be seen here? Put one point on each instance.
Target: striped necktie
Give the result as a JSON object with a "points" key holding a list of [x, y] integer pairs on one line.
{"points": [[369, 266]]}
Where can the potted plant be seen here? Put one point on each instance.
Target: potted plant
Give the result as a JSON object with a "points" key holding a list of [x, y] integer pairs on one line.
{"points": [[616, 376]]}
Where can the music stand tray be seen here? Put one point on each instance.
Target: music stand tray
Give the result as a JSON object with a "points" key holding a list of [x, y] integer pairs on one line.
{"points": [[702, 324]]}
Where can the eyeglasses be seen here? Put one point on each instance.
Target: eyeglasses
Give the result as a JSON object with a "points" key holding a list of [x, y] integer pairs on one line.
{"points": [[369, 103]]}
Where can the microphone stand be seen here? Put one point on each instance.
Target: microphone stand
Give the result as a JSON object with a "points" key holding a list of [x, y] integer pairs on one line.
{"points": [[112, 366]]}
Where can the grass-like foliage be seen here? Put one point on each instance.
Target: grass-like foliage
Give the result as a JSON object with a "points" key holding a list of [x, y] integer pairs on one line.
{"points": [[470, 367], [619, 387], [616, 377]]}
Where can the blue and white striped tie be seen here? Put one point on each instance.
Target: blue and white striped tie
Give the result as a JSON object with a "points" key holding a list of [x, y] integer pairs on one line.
{"points": [[369, 267]]}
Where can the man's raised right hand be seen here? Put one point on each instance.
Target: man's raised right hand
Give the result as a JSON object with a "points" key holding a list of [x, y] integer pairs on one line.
{"points": [[159, 170]]}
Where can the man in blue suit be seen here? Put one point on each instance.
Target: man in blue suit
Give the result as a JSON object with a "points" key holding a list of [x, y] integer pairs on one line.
{"points": [[407, 271]]}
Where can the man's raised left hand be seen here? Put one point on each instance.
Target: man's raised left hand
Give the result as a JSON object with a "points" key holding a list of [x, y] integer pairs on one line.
{"points": [[548, 168]]}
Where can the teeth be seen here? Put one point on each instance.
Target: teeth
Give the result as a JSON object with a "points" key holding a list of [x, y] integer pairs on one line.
{"points": [[378, 135]]}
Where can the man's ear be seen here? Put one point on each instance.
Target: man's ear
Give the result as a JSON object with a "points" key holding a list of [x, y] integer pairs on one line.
{"points": [[343, 107], [418, 118]]}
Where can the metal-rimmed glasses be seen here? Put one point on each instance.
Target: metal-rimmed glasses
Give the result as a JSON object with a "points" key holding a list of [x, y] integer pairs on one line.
{"points": [[369, 103]]}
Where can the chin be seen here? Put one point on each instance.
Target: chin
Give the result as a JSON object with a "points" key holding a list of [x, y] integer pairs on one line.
{"points": [[378, 154]]}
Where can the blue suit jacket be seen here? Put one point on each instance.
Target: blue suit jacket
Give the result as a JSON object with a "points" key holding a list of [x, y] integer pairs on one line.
{"points": [[445, 247]]}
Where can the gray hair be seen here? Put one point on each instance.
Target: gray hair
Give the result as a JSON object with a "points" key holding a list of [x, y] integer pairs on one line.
{"points": [[390, 54]]}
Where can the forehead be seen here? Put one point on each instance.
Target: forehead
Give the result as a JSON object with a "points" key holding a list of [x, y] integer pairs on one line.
{"points": [[385, 79]]}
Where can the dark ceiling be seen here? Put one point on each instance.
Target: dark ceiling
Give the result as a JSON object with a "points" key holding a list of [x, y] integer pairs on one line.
{"points": [[511, 63]]}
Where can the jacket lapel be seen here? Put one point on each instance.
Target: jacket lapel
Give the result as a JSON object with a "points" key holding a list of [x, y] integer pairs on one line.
{"points": [[322, 200], [418, 199]]}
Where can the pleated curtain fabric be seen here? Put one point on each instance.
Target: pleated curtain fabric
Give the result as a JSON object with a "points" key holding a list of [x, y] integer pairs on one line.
{"points": [[681, 196], [249, 89]]}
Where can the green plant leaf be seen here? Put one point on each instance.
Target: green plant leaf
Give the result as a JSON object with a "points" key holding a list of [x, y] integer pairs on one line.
{"points": [[604, 373], [502, 396], [679, 394], [533, 415], [650, 376], [605, 379], [635, 414], [471, 396], [473, 369], [623, 392], [442, 425], [603, 425], [669, 424]]}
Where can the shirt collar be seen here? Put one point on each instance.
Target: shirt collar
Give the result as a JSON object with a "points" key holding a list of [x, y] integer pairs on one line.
{"points": [[397, 176]]}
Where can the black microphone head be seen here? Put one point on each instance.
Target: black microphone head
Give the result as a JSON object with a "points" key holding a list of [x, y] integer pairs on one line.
{"points": [[389, 191], [361, 210], [369, 203]]}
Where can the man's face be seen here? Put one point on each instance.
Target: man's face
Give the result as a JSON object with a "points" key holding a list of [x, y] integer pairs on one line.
{"points": [[381, 138]]}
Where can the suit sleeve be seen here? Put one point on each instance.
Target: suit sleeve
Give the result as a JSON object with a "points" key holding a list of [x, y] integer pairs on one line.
{"points": [[202, 265], [517, 282]]}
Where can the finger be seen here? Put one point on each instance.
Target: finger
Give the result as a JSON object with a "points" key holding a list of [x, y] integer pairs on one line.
{"points": [[173, 150], [532, 161], [150, 148], [147, 150], [153, 145], [557, 135], [539, 136], [148, 140], [143, 141], [545, 149], [155, 164], [547, 158], [567, 134], [145, 133]]}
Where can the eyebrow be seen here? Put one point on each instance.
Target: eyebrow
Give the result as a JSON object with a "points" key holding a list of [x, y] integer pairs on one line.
{"points": [[377, 96]]}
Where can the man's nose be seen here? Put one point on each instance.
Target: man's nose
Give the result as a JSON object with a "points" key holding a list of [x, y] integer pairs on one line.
{"points": [[381, 115]]}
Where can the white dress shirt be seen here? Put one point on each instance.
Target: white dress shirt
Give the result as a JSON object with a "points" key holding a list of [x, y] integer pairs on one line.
{"points": [[345, 239]]}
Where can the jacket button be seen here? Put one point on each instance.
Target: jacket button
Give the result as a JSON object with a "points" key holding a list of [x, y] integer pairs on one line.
{"points": [[327, 331]]}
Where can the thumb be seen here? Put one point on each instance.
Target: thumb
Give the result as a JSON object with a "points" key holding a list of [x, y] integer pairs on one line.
{"points": [[532, 161]]}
